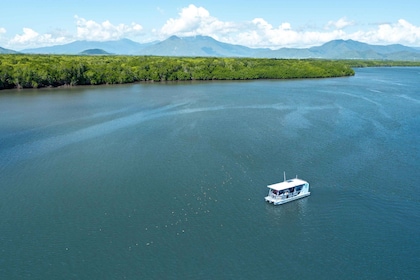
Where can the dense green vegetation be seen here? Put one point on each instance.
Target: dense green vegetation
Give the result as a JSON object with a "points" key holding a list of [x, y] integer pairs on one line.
{"points": [[34, 71], [379, 63]]}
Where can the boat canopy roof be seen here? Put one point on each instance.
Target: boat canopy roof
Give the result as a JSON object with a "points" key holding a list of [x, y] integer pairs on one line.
{"points": [[287, 184]]}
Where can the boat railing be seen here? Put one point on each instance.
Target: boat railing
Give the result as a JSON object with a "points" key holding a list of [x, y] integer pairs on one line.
{"points": [[279, 196], [284, 195]]}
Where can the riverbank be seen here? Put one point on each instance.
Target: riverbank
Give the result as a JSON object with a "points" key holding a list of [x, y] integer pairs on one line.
{"points": [[37, 71]]}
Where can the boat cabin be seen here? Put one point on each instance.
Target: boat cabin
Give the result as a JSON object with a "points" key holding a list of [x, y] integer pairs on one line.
{"points": [[286, 191]]}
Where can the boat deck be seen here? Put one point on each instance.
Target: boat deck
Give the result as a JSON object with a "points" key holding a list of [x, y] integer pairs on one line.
{"points": [[287, 191]]}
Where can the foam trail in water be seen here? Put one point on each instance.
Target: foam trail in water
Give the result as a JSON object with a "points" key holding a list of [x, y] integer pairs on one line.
{"points": [[40, 147]]}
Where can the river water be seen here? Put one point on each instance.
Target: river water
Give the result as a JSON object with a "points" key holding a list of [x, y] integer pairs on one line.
{"points": [[167, 181]]}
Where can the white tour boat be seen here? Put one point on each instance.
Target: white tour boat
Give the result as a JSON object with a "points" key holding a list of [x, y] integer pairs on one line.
{"points": [[286, 191]]}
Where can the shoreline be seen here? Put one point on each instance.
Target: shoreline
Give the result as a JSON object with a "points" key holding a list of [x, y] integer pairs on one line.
{"points": [[52, 71]]}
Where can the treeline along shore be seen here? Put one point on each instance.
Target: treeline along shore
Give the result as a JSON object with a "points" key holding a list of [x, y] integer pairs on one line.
{"points": [[36, 71]]}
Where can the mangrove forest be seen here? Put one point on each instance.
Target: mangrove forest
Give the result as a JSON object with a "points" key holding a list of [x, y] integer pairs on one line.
{"points": [[36, 71]]}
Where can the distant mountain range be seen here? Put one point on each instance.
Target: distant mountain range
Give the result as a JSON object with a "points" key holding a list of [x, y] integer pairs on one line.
{"points": [[207, 46], [6, 51], [198, 46], [123, 46]]}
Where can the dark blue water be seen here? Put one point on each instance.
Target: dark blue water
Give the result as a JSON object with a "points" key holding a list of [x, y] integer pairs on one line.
{"points": [[167, 181]]}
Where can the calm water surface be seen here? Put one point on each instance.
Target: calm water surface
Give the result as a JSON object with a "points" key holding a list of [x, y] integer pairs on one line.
{"points": [[167, 181]]}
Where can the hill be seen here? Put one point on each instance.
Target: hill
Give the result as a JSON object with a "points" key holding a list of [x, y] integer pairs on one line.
{"points": [[94, 52]]}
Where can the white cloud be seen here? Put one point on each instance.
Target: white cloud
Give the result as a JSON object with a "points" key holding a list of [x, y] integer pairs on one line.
{"points": [[93, 31], [258, 32], [27, 36], [85, 30], [401, 32], [339, 24], [31, 38], [195, 21]]}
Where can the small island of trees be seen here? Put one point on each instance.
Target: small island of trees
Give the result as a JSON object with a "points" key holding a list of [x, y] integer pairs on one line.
{"points": [[35, 71]]}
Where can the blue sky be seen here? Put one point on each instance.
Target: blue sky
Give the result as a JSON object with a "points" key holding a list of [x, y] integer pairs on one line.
{"points": [[263, 23]]}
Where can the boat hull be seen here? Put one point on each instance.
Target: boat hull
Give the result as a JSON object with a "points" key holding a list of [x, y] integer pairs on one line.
{"points": [[279, 201]]}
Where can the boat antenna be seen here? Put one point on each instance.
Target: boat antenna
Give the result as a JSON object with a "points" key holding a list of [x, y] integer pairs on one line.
{"points": [[284, 175]]}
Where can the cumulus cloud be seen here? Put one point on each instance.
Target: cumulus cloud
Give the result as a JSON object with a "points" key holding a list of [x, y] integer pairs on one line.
{"points": [[260, 33], [257, 32], [339, 24], [93, 31], [30, 38], [27, 36], [401, 32], [193, 20], [85, 30]]}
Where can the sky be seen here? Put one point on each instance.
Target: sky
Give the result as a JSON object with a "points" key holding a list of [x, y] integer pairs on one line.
{"points": [[264, 23]]}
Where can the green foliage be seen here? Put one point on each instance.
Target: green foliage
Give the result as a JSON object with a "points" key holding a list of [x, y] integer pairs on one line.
{"points": [[380, 63], [34, 71]]}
